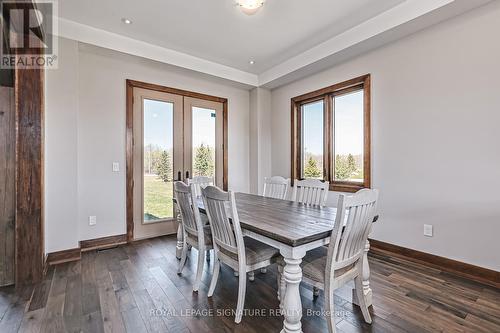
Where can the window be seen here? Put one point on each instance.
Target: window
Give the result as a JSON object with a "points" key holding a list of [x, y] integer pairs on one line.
{"points": [[158, 151], [331, 135], [312, 140]]}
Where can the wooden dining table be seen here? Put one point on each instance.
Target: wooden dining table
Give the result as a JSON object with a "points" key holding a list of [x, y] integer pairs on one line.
{"points": [[294, 229]]}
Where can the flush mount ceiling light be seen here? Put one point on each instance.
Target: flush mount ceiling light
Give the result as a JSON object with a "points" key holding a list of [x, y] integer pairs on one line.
{"points": [[126, 20], [250, 7]]}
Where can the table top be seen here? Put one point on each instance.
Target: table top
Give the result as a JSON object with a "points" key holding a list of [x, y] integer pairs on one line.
{"points": [[285, 221]]}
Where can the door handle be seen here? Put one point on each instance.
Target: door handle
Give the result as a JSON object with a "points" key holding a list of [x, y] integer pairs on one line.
{"points": [[187, 174], [179, 176]]}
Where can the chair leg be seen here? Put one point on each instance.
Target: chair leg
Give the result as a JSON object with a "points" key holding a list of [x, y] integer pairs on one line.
{"points": [[315, 291], [361, 299], [330, 309], [263, 270], [251, 276], [215, 276], [199, 270], [242, 286], [183, 258]]}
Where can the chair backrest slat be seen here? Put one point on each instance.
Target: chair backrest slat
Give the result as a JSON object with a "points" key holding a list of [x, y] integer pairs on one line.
{"points": [[186, 203], [352, 226], [200, 182], [310, 192], [276, 187], [224, 221]]}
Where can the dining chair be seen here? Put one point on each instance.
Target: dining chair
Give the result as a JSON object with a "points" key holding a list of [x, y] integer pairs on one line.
{"points": [[200, 182], [276, 187], [242, 254], [343, 260], [196, 233], [310, 191]]}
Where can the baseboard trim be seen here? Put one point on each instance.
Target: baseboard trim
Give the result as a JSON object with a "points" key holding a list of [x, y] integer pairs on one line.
{"points": [[75, 254], [103, 242], [476, 273], [60, 257]]}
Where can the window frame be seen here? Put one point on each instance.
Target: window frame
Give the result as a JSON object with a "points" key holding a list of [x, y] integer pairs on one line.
{"points": [[327, 94]]}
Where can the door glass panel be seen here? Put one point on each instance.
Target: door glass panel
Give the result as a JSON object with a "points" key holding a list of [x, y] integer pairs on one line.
{"points": [[349, 136], [158, 160], [203, 129], [312, 140]]}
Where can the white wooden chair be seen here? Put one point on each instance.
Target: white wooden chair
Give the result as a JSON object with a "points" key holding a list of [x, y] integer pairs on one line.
{"points": [[276, 187], [343, 260], [310, 191], [200, 182], [195, 232], [241, 254]]}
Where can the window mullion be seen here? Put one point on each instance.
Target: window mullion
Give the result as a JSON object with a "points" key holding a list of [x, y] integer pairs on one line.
{"points": [[327, 132]]}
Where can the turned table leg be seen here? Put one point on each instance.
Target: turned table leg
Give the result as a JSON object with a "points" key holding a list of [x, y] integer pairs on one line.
{"points": [[367, 291], [292, 305]]}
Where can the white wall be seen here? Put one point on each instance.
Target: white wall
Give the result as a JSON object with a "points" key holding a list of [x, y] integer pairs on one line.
{"points": [[435, 135], [61, 167], [260, 138], [85, 109]]}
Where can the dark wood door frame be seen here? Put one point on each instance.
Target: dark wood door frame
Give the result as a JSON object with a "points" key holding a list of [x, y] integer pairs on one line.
{"points": [[130, 85]]}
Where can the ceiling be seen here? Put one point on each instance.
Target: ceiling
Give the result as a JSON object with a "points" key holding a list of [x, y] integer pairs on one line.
{"points": [[215, 37], [218, 31]]}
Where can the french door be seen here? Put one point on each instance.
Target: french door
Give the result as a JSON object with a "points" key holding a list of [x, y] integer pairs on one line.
{"points": [[174, 138]]}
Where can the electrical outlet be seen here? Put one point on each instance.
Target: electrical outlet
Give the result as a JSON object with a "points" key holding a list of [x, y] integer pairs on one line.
{"points": [[428, 230], [116, 167], [92, 220]]}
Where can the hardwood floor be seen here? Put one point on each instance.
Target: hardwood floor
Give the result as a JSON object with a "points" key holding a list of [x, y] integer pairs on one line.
{"points": [[135, 288]]}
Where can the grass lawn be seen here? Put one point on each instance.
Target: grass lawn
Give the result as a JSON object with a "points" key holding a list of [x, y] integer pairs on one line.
{"points": [[157, 198]]}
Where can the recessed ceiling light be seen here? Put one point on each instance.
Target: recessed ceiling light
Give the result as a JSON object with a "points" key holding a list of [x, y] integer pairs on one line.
{"points": [[126, 20], [251, 62], [250, 7]]}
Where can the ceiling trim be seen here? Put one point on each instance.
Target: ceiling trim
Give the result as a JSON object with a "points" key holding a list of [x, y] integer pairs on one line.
{"points": [[390, 19], [87, 34]]}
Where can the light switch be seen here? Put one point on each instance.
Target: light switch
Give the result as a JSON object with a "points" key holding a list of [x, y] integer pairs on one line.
{"points": [[116, 167], [92, 220], [428, 230]]}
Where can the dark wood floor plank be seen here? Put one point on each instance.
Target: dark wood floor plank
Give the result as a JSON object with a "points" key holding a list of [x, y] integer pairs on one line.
{"points": [[92, 323], [110, 311], [122, 291], [90, 298], [53, 319], [133, 321], [142, 299], [166, 284], [73, 308], [41, 291], [164, 308], [32, 321], [11, 320]]}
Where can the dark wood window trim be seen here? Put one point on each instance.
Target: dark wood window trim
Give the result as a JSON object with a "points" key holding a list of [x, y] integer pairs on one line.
{"points": [[130, 85], [326, 94]]}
